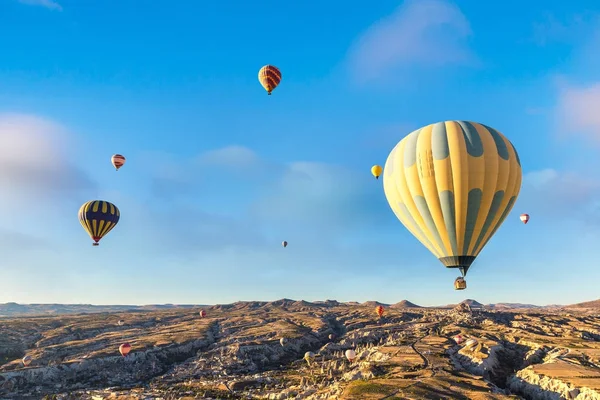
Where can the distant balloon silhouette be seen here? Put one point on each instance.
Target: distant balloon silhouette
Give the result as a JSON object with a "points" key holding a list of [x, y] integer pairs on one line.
{"points": [[26, 360]]}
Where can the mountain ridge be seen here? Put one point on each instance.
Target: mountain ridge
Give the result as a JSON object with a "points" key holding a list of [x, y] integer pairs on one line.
{"points": [[12, 309]]}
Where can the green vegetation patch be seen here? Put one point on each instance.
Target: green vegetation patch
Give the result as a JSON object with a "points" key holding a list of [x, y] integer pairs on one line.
{"points": [[362, 388]]}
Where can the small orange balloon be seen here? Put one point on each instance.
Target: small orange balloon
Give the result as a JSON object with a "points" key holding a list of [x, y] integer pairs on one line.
{"points": [[269, 77]]}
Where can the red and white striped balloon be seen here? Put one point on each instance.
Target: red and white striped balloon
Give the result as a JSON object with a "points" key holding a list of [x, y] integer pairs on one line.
{"points": [[117, 161], [524, 218]]}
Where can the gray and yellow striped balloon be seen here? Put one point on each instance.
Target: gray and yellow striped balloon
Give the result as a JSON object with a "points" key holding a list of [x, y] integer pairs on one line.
{"points": [[452, 184]]}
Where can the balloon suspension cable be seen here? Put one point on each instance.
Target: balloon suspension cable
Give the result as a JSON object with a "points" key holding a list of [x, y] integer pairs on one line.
{"points": [[463, 271]]}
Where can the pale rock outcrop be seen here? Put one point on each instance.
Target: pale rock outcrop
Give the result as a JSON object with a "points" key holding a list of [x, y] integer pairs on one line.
{"points": [[539, 387]]}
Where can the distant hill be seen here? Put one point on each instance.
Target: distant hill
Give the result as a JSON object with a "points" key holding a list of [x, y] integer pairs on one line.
{"points": [[587, 304], [405, 304], [30, 310], [374, 304], [512, 306], [472, 303]]}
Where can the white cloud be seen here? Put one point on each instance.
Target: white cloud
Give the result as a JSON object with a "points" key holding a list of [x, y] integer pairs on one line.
{"points": [[319, 195], [34, 161], [561, 195], [295, 198], [418, 33], [230, 157], [52, 5], [577, 111]]}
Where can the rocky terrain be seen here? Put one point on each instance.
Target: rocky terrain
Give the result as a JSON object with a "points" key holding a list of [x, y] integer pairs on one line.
{"points": [[234, 352]]}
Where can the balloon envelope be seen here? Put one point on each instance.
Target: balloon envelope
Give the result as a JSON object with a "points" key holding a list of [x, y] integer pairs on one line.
{"points": [[124, 349], [524, 218], [376, 171], [350, 355], [379, 310], [117, 161], [98, 217], [269, 77], [452, 184], [284, 243], [26, 360]]}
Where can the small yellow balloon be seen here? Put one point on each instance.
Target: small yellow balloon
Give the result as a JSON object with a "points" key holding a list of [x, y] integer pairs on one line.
{"points": [[376, 170]]}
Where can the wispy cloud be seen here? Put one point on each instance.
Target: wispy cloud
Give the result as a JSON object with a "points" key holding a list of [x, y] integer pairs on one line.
{"points": [[52, 5], [561, 195], [552, 28], [418, 33], [34, 161], [577, 111], [293, 197]]}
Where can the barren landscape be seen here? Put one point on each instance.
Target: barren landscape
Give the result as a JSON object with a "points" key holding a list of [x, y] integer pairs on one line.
{"points": [[234, 352]]}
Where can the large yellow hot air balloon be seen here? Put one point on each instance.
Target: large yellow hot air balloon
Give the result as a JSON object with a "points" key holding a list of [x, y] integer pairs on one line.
{"points": [[98, 218], [269, 77], [376, 170], [452, 184]]}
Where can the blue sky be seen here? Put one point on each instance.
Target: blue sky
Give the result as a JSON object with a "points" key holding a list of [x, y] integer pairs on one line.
{"points": [[219, 173]]}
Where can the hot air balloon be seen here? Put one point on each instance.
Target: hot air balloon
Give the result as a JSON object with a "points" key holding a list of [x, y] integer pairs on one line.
{"points": [[452, 184], [202, 313], [376, 170], [117, 161], [269, 77], [284, 243], [351, 355], [120, 322], [26, 360], [124, 349], [379, 310], [282, 341], [524, 218], [331, 336], [458, 339], [98, 218], [309, 356]]}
